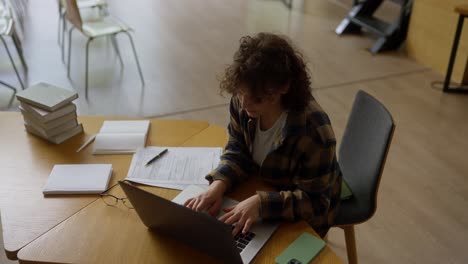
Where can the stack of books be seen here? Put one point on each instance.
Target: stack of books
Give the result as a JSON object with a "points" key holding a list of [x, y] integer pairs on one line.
{"points": [[49, 113]]}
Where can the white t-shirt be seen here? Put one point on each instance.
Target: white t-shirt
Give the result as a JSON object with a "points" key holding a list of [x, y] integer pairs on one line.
{"points": [[264, 139]]}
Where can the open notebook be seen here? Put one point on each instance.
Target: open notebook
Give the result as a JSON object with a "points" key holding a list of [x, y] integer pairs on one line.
{"points": [[78, 179], [121, 137]]}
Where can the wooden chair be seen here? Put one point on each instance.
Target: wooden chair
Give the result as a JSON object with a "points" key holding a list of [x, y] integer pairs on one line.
{"points": [[363, 151]]}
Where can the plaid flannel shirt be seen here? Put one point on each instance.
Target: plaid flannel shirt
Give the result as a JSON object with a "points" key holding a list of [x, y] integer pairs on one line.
{"points": [[301, 165]]}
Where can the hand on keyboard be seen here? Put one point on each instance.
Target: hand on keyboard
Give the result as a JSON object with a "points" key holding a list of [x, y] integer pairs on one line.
{"points": [[244, 214], [210, 200]]}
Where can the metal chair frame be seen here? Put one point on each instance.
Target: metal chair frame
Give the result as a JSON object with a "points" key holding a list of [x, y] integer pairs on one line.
{"points": [[63, 22], [10, 31], [114, 43], [9, 87], [74, 17]]}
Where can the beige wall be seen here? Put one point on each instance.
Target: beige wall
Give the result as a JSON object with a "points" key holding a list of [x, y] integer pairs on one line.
{"points": [[431, 33]]}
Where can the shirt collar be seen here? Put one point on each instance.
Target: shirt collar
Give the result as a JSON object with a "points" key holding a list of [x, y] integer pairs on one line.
{"points": [[295, 126]]}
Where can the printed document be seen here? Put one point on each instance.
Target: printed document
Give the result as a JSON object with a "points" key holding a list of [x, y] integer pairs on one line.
{"points": [[176, 169]]}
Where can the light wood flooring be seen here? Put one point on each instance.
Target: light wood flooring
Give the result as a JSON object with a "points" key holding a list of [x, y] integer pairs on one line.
{"points": [[183, 47]]}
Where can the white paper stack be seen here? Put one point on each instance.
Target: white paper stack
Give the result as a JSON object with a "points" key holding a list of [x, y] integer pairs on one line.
{"points": [[78, 179], [49, 113], [177, 169], [121, 137]]}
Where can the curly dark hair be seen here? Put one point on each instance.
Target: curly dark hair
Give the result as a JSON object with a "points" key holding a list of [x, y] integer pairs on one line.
{"points": [[265, 63]]}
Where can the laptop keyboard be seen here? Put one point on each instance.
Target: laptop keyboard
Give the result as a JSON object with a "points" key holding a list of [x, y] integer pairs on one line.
{"points": [[242, 240]]}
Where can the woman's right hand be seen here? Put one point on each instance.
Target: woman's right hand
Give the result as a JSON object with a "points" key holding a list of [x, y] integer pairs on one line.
{"points": [[210, 200]]}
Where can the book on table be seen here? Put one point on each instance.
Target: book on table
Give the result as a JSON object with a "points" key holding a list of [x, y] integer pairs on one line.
{"points": [[54, 123], [58, 138], [44, 116], [78, 179], [121, 137], [46, 96], [49, 113], [49, 133]]}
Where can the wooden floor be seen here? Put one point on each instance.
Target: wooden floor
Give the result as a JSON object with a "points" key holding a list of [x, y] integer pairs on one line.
{"points": [[183, 47]]}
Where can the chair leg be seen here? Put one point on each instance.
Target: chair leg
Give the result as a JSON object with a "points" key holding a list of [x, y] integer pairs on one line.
{"points": [[136, 59], [13, 95], [69, 51], [12, 62], [116, 48], [19, 49], [350, 244], [64, 29], [61, 29], [86, 69], [59, 24], [8, 86]]}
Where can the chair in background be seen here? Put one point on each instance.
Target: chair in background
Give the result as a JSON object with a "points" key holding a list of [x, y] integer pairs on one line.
{"points": [[19, 11], [101, 27], [7, 29], [363, 151], [391, 36], [82, 4], [2, 83]]}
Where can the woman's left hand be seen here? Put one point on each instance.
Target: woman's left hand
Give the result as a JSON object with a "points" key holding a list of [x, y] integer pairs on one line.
{"points": [[244, 214]]}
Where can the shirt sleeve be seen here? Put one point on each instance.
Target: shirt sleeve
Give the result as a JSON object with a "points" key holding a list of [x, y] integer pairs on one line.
{"points": [[236, 163], [314, 180]]}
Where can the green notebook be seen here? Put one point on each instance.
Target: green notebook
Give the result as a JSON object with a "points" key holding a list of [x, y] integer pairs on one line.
{"points": [[302, 250], [345, 191]]}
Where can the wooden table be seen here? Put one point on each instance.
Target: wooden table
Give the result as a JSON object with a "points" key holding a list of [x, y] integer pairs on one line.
{"points": [[25, 164], [82, 229]]}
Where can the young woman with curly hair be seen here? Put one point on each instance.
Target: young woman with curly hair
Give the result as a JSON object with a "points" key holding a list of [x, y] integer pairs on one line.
{"points": [[277, 131]]}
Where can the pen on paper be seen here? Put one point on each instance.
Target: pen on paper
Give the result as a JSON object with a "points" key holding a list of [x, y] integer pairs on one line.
{"points": [[86, 143], [156, 157]]}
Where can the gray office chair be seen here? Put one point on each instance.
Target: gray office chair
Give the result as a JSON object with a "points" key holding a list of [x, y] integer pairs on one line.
{"points": [[363, 151]]}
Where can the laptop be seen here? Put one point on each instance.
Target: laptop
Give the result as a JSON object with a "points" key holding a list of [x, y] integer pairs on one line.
{"points": [[187, 226]]}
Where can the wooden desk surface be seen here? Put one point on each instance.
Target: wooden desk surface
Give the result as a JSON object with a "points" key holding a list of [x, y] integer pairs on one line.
{"points": [[25, 164], [462, 10], [104, 234]]}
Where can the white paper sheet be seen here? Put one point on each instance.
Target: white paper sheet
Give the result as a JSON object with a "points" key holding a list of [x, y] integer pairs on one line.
{"points": [[177, 169]]}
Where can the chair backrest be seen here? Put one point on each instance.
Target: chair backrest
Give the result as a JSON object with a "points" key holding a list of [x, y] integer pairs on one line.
{"points": [[73, 14], [6, 20], [18, 12], [363, 150]]}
